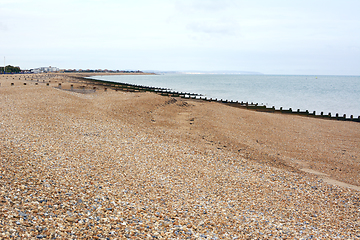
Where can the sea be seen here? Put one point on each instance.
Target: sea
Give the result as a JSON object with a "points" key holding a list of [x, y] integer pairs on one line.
{"points": [[327, 94]]}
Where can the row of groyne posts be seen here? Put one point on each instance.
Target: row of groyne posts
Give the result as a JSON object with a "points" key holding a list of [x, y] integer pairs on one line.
{"points": [[251, 106], [168, 92], [37, 78], [53, 78]]}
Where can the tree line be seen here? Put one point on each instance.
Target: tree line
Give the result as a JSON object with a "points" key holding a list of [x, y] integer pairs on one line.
{"points": [[10, 69]]}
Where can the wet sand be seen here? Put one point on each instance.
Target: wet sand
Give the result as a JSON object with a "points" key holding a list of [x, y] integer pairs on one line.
{"points": [[139, 165]]}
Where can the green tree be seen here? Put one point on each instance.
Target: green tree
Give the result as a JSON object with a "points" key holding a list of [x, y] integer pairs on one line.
{"points": [[10, 69]]}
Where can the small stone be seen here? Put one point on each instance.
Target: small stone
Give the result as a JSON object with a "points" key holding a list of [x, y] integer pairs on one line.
{"points": [[70, 219]]}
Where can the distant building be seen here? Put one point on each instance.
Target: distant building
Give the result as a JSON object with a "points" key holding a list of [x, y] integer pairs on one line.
{"points": [[45, 69]]}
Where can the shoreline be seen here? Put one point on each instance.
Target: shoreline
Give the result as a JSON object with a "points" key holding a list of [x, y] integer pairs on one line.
{"points": [[136, 164], [251, 106], [83, 84]]}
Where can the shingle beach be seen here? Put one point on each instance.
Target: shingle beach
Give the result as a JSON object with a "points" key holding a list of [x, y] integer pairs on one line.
{"points": [[129, 165]]}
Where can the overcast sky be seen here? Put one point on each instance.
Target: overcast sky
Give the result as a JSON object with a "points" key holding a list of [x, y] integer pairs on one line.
{"points": [[268, 36]]}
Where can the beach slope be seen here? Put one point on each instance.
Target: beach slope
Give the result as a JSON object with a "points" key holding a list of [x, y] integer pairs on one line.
{"points": [[117, 165]]}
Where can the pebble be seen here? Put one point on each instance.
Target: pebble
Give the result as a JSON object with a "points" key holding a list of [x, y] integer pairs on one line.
{"points": [[71, 168]]}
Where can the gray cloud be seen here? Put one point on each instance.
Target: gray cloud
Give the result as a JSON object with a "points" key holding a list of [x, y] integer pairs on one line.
{"points": [[204, 5], [3, 27], [223, 27]]}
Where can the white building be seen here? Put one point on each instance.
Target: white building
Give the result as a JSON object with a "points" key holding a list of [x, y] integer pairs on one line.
{"points": [[45, 69]]}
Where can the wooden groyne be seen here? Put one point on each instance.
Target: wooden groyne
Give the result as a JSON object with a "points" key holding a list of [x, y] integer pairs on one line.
{"points": [[101, 84], [250, 106]]}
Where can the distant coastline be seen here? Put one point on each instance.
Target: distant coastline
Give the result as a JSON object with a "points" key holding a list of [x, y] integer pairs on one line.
{"points": [[203, 72]]}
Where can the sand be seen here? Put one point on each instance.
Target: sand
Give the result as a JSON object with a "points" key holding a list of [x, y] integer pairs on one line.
{"points": [[117, 165]]}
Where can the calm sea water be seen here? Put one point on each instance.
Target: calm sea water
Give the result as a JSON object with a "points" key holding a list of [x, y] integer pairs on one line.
{"points": [[335, 94]]}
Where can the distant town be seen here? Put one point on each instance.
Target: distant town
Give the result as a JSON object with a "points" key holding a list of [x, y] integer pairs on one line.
{"points": [[11, 70]]}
